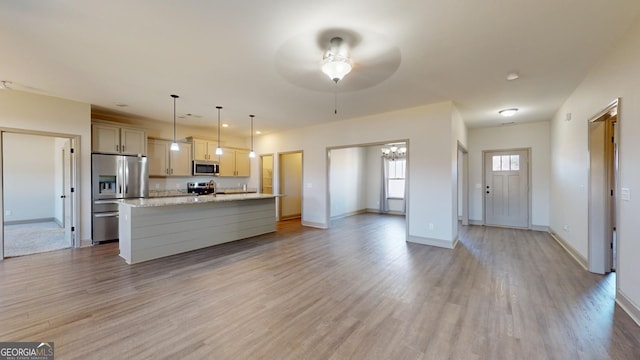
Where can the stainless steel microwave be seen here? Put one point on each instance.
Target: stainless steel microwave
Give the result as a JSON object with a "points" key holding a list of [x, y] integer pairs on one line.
{"points": [[210, 168]]}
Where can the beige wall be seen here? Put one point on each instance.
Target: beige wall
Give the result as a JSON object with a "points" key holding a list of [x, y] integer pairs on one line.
{"points": [[21, 110], [429, 130], [616, 76], [531, 135]]}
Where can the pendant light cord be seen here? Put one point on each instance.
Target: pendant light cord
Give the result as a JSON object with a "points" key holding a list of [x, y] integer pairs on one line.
{"points": [[218, 107]]}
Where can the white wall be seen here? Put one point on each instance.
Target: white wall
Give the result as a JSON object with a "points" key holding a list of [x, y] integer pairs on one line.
{"points": [[429, 130], [347, 180], [29, 177], [530, 135], [21, 110], [616, 76]]}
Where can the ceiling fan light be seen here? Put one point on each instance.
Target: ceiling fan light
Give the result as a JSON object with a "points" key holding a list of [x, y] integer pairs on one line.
{"points": [[175, 146], [336, 67]]}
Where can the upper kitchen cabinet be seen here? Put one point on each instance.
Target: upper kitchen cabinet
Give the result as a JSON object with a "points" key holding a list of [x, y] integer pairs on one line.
{"points": [[114, 139], [204, 149], [235, 162], [164, 162]]}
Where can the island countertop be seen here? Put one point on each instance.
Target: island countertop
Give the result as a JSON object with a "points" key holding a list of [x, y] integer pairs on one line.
{"points": [[193, 199]]}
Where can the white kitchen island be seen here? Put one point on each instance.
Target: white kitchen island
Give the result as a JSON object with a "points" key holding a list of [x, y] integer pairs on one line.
{"points": [[158, 227]]}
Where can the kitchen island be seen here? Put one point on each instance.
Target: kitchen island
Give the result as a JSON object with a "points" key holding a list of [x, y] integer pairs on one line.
{"points": [[157, 227]]}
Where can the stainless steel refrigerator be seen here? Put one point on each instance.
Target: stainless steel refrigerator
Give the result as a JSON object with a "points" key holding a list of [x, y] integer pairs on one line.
{"points": [[114, 177]]}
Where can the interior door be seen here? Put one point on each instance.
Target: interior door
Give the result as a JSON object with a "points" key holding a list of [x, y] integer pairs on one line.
{"points": [[507, 188]]}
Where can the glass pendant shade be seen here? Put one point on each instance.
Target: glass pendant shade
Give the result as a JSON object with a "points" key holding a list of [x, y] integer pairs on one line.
{"points": [[252, 154], [218, 150], [336, 62], [175, 146]]}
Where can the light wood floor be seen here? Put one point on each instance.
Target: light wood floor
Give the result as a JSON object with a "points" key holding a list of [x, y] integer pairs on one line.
{"points": [[356, 291]]}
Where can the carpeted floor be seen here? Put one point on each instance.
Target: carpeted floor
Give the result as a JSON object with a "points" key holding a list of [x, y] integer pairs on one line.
{"points": [[25, 239]]}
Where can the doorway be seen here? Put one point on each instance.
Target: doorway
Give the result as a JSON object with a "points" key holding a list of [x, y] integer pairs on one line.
{"points": [[290, 181], [266, 174], [38, 175], [506, 188], [603, 170]]}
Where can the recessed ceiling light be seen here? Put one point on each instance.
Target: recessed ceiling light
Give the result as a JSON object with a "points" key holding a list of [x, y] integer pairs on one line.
{"points": [[508, 112], [225, 125], [258, 132], [121, 105], [513, 76]]}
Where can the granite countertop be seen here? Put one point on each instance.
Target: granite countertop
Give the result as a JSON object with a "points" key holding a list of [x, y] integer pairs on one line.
{"points": [[193, 199]]}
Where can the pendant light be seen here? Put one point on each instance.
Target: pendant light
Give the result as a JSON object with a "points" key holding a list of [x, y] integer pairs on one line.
{"points": [[252, 154], [219, 149], [174, 144]]}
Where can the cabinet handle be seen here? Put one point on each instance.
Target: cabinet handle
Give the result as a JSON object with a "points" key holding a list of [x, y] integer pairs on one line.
{"points": [[171, 171], [117, 147], [166, 171], [123, 147]]}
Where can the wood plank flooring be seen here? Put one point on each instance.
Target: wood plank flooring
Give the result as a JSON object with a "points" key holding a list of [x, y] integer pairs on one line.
{"points": [[356, 291]]}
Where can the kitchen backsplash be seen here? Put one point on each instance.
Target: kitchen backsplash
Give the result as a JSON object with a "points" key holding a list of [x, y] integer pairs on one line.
{"points": [[170, 184]]}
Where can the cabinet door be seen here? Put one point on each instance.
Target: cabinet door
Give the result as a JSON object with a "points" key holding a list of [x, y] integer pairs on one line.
{"points": [[105, 139], [158, 157], [181, 160], [227, 162], [243, 163], [133, 141], [200, 150]]}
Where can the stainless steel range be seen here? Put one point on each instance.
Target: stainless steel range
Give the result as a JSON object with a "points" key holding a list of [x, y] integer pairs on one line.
{"points": [[114, 177]]}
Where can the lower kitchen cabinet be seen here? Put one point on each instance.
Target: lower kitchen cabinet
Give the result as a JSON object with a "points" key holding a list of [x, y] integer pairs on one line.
{"points": [[164, 162]]}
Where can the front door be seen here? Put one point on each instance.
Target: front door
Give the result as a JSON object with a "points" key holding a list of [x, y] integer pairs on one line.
{"points": [[506, 189]]}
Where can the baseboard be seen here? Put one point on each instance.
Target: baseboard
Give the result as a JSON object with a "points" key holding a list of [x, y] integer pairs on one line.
{"points": [[377, 211], [351, 213], [476, 222], [542, 228], [314, 224], [85, 243], [432, 242], [628, 306], [30, 221], [59, 222], [570, 249]]}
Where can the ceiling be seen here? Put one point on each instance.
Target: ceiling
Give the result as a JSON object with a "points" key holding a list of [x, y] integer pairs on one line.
{"points": [[263, 57]]}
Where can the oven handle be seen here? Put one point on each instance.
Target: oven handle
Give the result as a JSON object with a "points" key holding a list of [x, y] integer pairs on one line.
{"points": [[107, 214]]}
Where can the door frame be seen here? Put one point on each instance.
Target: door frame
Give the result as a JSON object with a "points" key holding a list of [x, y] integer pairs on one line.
{"points": [[529, 185], [261, 167], [74, 201], [599, 258], [280, 184], [463, 157], [377, 143]]}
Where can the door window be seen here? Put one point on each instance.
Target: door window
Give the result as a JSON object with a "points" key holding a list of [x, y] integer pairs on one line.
{"points": [[506, 162]]}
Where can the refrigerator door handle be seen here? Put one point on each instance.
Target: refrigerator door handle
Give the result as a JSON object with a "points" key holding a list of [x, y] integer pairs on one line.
{"points": [[107, 214]]}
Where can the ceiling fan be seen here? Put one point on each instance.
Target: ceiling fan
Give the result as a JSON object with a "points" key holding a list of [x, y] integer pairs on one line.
{"points": [[364, 58]]}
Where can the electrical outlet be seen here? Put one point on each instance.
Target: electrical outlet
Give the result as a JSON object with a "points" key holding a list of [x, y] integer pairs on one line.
{"points": [[157, 186], [566, 228], [8, 213], [430, 226]]}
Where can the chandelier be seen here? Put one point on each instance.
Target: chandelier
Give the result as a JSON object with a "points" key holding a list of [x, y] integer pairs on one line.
{"points": [[393, 152]]}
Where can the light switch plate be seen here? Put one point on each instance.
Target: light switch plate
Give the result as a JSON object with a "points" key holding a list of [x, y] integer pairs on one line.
{"points": [[625, 194]]}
